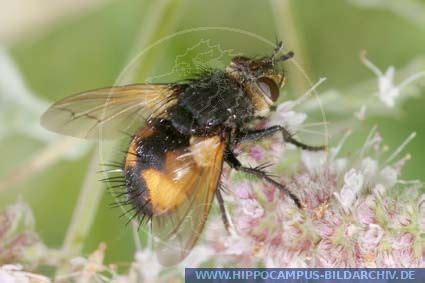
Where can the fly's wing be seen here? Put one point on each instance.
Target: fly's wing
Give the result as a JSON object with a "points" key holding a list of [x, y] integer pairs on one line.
{"points": [[176, 232], [108, 112]]}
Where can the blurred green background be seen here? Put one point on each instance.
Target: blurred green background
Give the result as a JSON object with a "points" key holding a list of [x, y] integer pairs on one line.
{"points": [[78, 48]]}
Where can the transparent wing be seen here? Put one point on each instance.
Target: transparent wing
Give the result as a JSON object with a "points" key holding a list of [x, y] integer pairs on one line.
{"points": [[176, 232], [108, 112]]}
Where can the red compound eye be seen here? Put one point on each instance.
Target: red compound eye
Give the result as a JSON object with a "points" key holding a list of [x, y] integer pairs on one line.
{"points": [[269, 88]]}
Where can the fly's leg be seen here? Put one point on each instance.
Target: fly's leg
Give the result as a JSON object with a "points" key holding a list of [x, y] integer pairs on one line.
{"points": [[252, 135], [224, 215], [260, 173]]}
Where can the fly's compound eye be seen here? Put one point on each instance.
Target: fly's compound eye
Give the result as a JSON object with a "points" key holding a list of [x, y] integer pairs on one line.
{"points": [[269, 88]]}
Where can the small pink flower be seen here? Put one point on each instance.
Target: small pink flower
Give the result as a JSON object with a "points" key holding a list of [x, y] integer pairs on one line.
{"points": [[237, 245], [270, 192], [404, 241], [18, 241], [242, 190], [421, 213], [365, 210], [245, 224], [257, 153], [252, 208], [372, 236], [15, 274], [325, 230]]}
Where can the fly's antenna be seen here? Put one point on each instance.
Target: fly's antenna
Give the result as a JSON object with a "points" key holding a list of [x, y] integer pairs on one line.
{"points": [[279, 47], [276, 51], [286, 56]]}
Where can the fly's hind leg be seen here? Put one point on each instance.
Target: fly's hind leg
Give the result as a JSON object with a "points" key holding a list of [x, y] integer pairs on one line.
{"points": [[252, 135], [260, 173], [223, 211]]}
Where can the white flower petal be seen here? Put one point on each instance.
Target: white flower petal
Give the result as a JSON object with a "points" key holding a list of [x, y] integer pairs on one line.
{"points": [[313, 160], [353, 182], [388, 91], [369, 168], [252, 208], [389, 176], [339, 165], [285, 115]]}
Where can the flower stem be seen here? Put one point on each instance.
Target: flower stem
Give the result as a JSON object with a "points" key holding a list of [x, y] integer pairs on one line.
{"points": [[162, 16], [39, 162], [84, 214]]}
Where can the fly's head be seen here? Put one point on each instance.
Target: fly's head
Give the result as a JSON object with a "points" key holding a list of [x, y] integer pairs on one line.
{"points": [[261, 78]]}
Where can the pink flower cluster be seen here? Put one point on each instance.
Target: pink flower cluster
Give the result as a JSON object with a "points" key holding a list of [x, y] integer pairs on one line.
{"points": [[357, 213], [18, 241]]}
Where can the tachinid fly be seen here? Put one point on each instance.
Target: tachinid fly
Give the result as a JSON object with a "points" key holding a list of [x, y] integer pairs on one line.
{"points": [[185, 132]]}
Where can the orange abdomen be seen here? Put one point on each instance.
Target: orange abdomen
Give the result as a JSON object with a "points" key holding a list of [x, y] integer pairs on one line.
{"points": [[162, 166]]}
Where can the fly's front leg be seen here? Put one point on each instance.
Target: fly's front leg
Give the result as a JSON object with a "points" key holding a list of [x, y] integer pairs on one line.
{"points": [[252, 135], [259, 172]]}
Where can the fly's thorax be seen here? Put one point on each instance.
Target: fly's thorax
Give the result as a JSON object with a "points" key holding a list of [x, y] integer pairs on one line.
{"points": [[210, 103]]}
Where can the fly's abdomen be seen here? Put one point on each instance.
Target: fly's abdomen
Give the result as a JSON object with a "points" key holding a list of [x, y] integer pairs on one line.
{"points": [[159, 169]]}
